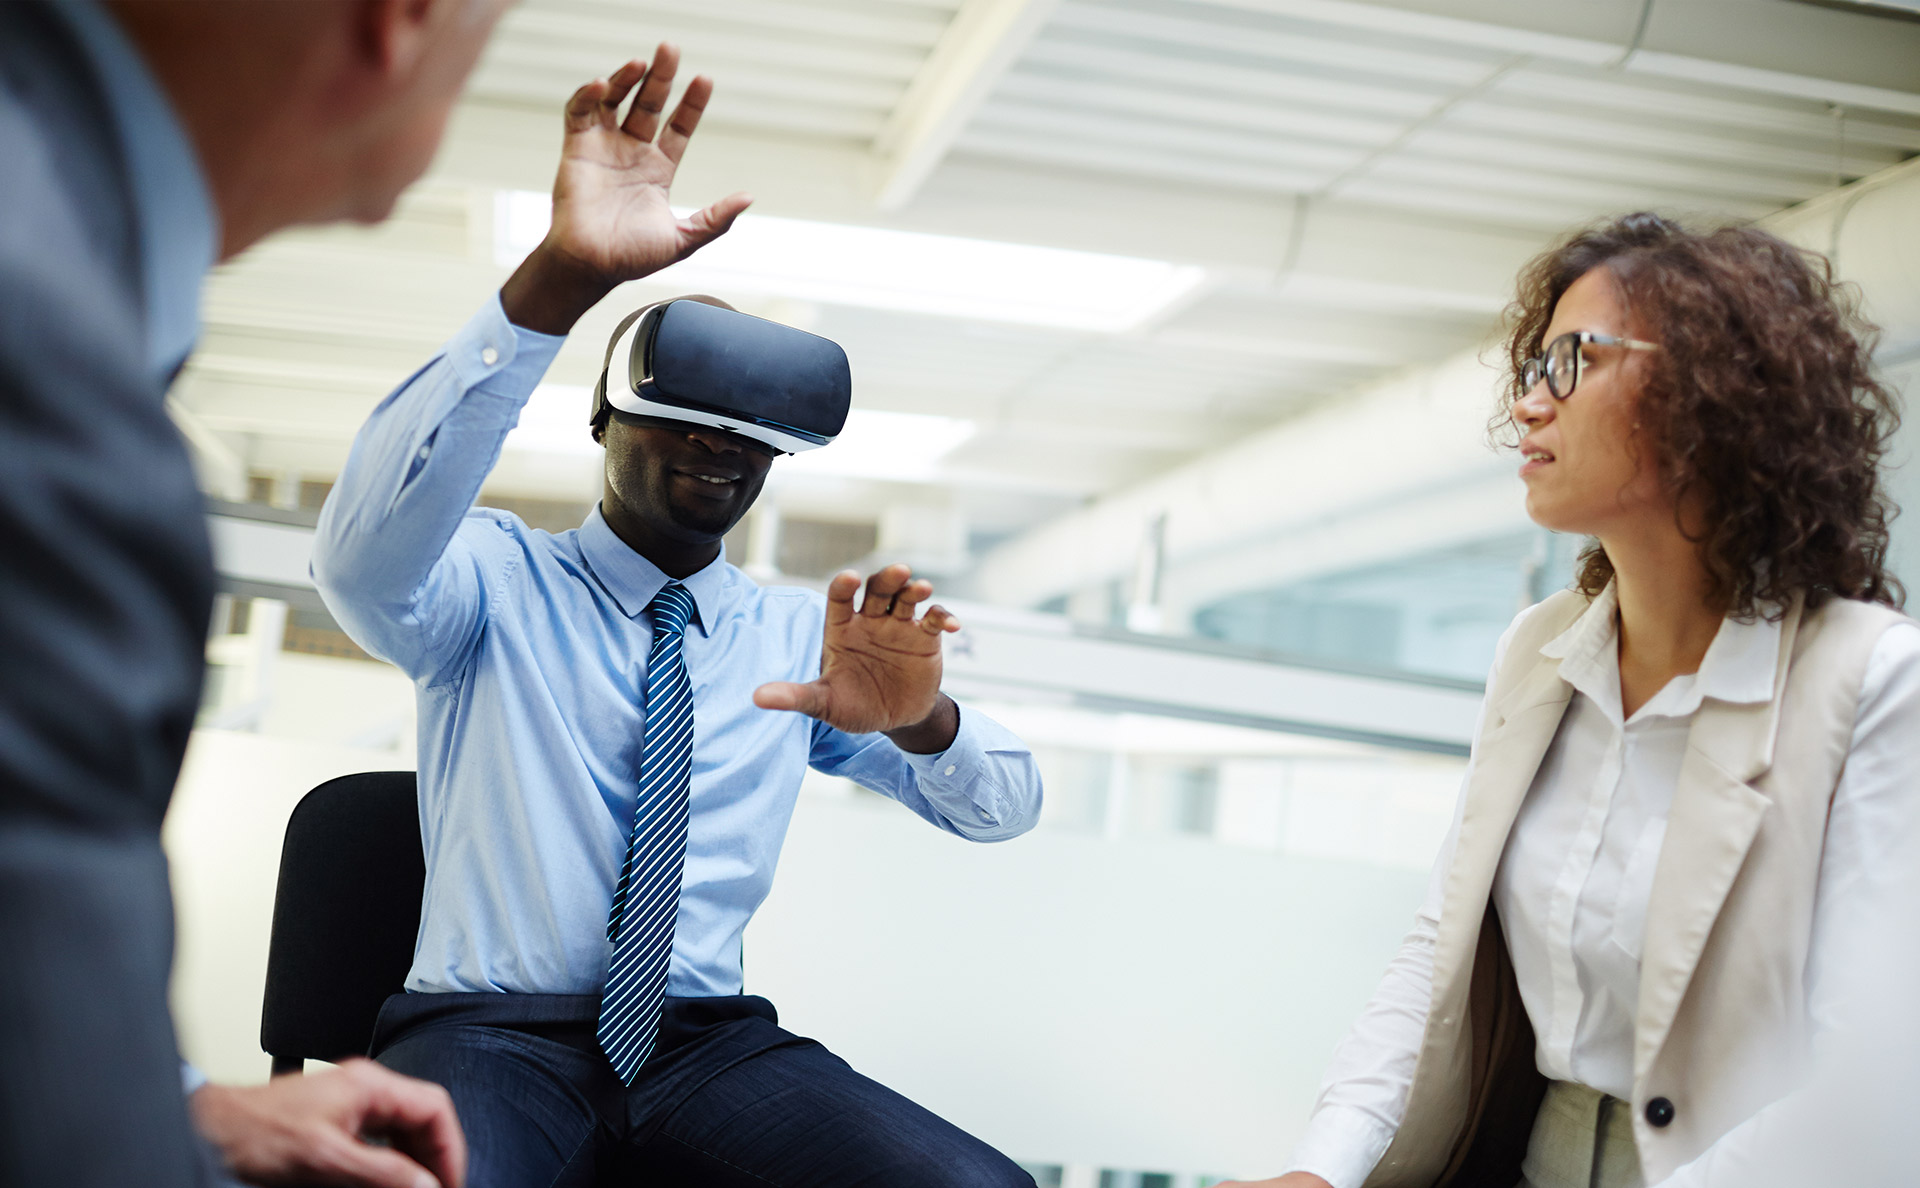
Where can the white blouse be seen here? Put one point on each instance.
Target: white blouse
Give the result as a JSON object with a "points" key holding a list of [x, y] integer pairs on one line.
{"points": [[1575, 879]]}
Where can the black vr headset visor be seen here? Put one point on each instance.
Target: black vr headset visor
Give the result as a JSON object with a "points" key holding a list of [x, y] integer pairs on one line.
{"points": [[691, 363]]}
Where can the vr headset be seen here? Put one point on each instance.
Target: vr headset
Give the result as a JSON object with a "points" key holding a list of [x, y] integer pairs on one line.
{"points": [[697, 364]]}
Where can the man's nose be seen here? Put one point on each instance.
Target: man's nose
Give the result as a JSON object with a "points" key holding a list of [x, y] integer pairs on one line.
{"points": [[715, 443]]}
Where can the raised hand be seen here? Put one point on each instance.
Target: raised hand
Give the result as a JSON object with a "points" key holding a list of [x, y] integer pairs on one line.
{"points": [[611, 218], [880, 665]]}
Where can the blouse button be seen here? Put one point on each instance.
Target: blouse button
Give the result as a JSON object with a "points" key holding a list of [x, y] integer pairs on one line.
{"points": [[1659, 1112]]}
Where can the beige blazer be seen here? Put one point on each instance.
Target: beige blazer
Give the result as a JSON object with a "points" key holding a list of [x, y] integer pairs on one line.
{"points": [[1721, 1028]]}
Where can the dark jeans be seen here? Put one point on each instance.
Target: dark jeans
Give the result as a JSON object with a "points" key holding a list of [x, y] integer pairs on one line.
{"points": [[727, 1098]]}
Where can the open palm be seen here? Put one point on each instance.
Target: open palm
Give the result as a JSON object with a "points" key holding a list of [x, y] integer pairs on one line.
{"points": [[880, 665], [611, 216]]}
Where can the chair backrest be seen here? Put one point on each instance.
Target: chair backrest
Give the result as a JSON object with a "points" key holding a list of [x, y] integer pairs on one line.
{"points": [[344, 916]]}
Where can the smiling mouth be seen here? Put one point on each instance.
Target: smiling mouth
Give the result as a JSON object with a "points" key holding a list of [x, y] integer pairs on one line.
{"points": [[712, 477]]}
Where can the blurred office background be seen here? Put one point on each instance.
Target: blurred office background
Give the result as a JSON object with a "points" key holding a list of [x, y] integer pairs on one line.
{"points": [[1173, 329]]}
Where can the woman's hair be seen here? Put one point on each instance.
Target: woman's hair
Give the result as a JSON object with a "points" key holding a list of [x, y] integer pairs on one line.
{"points": [[1761, 408]]}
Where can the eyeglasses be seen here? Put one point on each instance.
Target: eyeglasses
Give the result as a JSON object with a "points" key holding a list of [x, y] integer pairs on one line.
{"points": [[1560, 364]]}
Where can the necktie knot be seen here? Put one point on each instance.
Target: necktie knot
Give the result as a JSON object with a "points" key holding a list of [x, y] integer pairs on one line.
{"points": [[671, 610]]}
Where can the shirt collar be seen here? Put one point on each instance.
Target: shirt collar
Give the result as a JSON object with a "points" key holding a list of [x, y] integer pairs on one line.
{"points": [[177, 224], [1739, 665], [632, 580]]}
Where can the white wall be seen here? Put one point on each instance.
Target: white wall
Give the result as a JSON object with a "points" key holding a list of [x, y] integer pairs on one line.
{"points": [[1163, 1004]]}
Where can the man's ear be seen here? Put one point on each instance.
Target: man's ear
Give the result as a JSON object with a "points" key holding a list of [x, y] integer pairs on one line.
{"points": [[394, 35]]}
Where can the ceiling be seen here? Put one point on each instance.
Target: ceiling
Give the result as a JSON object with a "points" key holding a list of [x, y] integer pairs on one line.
{"points": [[1359, 181]]}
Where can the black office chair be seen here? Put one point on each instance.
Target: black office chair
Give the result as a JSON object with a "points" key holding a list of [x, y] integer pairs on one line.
{"points": [[344, 916]]}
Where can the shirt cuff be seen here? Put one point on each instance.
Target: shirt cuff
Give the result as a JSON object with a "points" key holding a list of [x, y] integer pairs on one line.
{"points": [[1342, 1146], [492, 354], [956, 780], [191, 1079]]}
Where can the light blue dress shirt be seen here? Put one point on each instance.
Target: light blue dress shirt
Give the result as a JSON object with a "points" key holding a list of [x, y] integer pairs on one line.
{"points": [[529, 654], [177, 224]]}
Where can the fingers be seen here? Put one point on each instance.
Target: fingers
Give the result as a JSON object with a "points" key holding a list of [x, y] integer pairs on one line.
{"points": [[584, 108], [811, 699], [644, 118], [598, 103], [840, 592], [686, 117], [910, 597], [881, 588], [344, 1159], [939, 620], [418, 1117], [705, 226], [618, 84]]}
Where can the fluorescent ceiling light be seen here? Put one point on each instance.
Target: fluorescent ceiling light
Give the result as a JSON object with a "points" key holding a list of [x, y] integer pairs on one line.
{"points": [[879, 268], [554, 421], [898, 446], [891, 446]]}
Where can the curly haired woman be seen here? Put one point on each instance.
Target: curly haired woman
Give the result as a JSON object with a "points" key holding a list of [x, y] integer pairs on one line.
{"points": [[1693, 771]]}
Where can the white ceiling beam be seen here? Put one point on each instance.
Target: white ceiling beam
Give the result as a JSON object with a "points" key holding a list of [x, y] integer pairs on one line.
{"points": [[977, 47], [1778, 82], [1656, 136], [1128, 99], [1334, 96], [1190, 169], [1277, 346], [766, 115], [1684, 40], [1701, 42], [1499, 155], [1444, 65], [623, 22], [791, 81], [545, 35], [1769, 115], [1129, 136], [1405, 20], [1517, 181]]}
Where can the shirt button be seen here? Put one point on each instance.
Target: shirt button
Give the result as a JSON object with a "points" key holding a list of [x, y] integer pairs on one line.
{"points": [[985, 815], [949, 769], [489, 356], [1659, 1112], [425, 452]]}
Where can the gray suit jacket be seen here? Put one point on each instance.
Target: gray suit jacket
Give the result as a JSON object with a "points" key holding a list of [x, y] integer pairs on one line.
{"points": [[105, 584]]}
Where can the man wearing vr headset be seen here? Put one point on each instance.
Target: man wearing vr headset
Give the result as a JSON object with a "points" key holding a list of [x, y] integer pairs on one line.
{"points": [[605, 781]]}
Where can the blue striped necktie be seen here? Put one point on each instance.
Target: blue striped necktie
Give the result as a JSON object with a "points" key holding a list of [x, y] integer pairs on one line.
{"points": [[641, 922]]}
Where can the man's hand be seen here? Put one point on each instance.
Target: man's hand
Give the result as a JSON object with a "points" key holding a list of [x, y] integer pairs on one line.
{"points": [[611, 221], [315, 1129], [1290, 1180], [880, 666]]}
